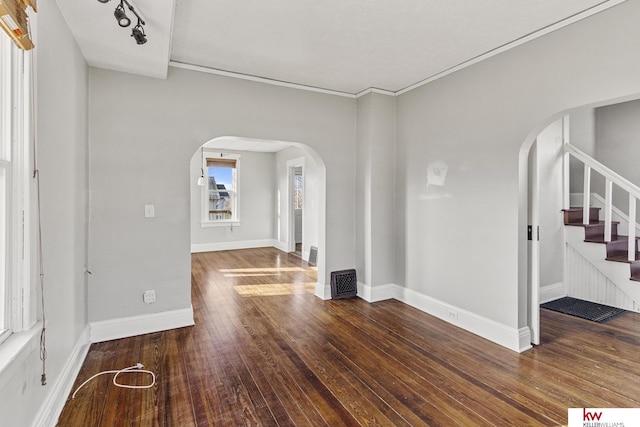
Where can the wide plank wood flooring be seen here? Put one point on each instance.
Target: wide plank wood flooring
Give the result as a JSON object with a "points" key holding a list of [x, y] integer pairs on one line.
{"points": [[266, 351]]}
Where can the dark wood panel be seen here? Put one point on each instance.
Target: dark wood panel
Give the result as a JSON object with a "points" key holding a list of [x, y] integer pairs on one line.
{"points": [[266, 351]]}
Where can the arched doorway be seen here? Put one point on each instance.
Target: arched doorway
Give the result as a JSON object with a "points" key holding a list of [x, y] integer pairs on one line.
{"points": [[549, 183], [252, 197]]}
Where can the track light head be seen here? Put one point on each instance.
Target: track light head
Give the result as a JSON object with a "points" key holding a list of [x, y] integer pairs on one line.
{"points": [[138, 34], [121, 16], [123, 20]]}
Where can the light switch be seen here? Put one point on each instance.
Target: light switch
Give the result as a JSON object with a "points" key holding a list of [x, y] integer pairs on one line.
{"points": [[149, 211]]}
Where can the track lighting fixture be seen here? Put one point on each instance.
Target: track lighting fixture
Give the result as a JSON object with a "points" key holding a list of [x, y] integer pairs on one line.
{"points": [[124, 21], [121, 16], [138, 34]]}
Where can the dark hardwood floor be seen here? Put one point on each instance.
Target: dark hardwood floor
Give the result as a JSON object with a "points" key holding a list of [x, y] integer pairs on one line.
{"points": [[266, 351]]}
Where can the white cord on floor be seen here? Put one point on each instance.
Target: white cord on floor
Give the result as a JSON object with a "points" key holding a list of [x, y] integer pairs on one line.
{"points": [[135, 369]]}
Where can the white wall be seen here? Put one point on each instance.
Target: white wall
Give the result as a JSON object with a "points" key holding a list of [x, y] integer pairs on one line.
{"points": [[140, 154], [375, 180], [467, 249], [311, 199], [61, 128], [582, 134], [256, 180], [618, 144]]}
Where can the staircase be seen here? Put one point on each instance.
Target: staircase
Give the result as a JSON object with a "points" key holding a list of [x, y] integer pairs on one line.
{"points": [[594, 232], [602, 265], [597, 270]]}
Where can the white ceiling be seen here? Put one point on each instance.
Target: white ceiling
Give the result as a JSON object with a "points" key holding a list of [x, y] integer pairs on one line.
{"points": [[340, 45], [246, 144], [105, 44]]}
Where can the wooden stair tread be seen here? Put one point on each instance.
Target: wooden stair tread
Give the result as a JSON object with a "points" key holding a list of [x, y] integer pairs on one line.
{"points": [[622, 258], [592, 222], [578, 208], [614, 239], [598, 223]]}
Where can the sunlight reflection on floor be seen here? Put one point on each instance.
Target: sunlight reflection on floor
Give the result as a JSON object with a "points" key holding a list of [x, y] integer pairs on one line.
{"points": [[261, 270], [274, 289]]}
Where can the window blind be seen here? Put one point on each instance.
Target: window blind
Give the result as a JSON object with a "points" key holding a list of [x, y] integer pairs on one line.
{"points": [[14, 21], [221, 163]]}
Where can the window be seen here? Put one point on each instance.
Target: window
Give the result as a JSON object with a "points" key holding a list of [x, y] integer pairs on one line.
{"points": [[15, 130], [220, 194]]}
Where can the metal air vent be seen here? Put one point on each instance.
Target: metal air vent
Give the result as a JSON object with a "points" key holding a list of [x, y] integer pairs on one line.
{"points": [[343, 284], [313, 256]]}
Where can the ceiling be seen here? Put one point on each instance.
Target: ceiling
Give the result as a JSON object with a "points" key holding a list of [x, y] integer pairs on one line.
{"points": [[338, 45], [246, 144]]}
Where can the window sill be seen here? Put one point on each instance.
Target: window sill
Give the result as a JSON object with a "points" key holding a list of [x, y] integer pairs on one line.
{"points": [[206, 224], [15, 350]]}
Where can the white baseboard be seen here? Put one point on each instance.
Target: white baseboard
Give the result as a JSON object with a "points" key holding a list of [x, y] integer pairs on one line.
{"points": [[227, 246], [323, 291], [518, 340], [524, 340], [282, 246], [377, 293], [112, 329], [514, 339], [53, 404], [552, 292]]}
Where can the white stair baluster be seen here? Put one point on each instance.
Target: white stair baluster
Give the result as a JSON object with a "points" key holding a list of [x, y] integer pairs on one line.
{"points": [[632, 228], [586, 195], [607, 209]]}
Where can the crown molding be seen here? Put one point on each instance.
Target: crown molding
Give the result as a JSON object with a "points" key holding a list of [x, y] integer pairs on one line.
{"points": [[251, 78], [375, 90]]}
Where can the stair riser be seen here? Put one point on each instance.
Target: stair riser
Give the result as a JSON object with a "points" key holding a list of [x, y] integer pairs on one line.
{"points": [[574, 216], [597, 232], [635, 271], [620, 250]]}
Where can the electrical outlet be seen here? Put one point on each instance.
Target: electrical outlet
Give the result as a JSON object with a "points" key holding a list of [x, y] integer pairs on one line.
{"points": [[149, 296], [453, 315]]}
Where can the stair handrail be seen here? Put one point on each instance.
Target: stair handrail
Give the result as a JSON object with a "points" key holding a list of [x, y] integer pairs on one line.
{"points": [[617, 179], [611, 178]]}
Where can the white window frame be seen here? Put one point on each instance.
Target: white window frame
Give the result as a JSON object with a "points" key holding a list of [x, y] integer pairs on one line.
{"points": [[17, 292], [235, 217]]}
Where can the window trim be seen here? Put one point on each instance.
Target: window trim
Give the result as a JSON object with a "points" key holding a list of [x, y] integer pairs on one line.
{"points": [[204, 201], [17, 120]]}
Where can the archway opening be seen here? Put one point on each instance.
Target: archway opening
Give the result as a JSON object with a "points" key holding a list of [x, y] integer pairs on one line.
{"points": [[245, 193], [548, 183]]}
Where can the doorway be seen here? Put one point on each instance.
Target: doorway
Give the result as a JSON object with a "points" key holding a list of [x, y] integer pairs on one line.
{"points": [[296, 198], [298, 207], [545, 229]]}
